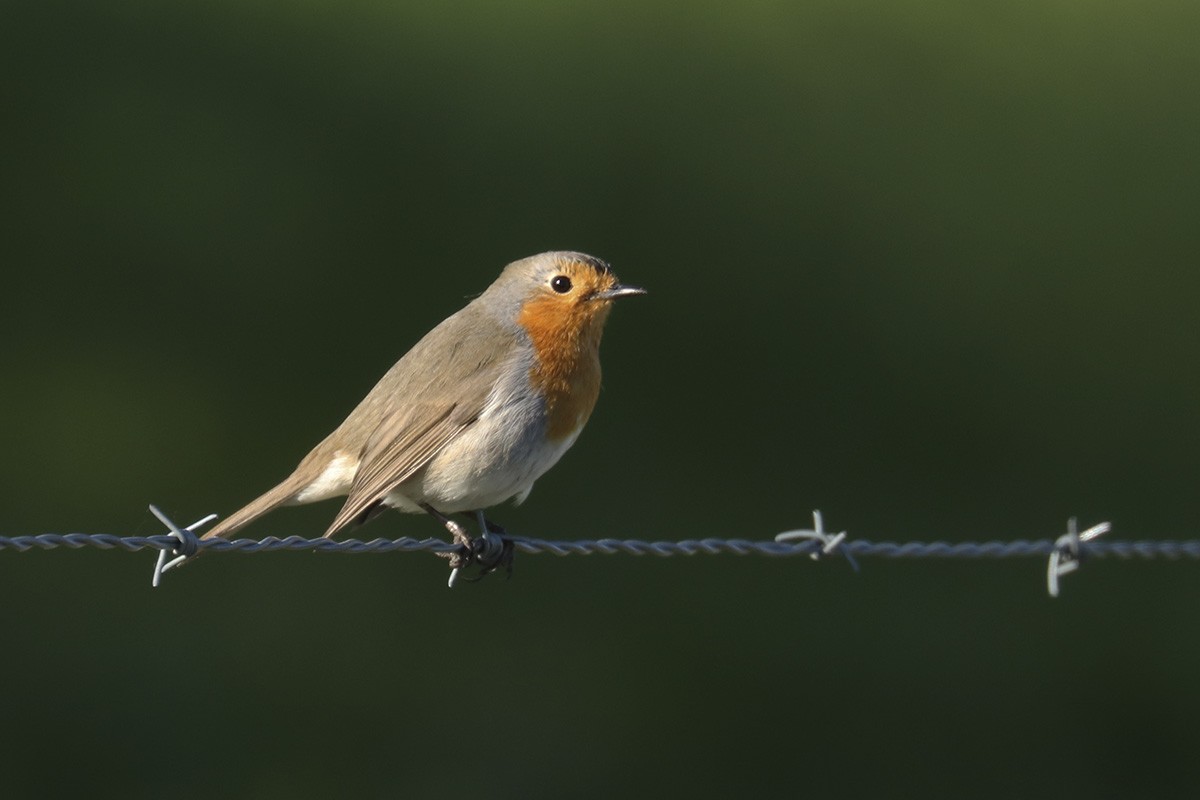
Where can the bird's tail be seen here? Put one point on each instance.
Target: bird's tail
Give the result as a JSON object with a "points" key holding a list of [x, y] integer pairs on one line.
{"points": [[281, 495]]}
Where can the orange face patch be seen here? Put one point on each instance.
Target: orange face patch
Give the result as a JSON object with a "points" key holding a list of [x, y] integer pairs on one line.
{"points": [[565, 325]]}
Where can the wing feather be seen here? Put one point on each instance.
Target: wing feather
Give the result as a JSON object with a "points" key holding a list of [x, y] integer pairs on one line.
{"points": [[430, 400], [404, 443]]}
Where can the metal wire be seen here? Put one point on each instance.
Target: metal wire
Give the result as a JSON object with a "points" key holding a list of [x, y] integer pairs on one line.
{"points": [[1065, 553], [1017, 548]]}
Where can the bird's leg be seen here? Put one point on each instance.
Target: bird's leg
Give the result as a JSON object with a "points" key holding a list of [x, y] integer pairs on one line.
{"points": [[457, 532], [485, 525]]}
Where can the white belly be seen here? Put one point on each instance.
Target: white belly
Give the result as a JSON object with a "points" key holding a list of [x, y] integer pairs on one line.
{"points": [[496, 459]]}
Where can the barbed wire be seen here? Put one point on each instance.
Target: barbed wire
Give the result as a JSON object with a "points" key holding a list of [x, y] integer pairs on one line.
{"points": [[495, 548]]}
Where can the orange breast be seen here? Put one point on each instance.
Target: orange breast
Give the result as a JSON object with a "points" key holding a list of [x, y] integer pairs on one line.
{"points": [[566, 340]]}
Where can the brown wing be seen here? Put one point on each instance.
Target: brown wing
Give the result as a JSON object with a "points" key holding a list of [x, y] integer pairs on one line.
{"points": [[433, 394], [426, 414], [403, 443]]}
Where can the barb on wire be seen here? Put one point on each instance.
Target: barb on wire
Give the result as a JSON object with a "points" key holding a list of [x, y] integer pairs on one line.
{"points": [[1066, 556], [496, 548], [829, 543], [188, 543]]}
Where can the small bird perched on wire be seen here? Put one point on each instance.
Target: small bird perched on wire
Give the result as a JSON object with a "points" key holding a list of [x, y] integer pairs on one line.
{"points": [[475, 412]]}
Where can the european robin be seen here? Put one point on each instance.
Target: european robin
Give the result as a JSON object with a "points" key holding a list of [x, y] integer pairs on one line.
{"points": [[473, 414]]}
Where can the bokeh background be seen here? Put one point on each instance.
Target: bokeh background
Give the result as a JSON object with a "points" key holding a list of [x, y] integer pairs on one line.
{"points": [[928, 267]]}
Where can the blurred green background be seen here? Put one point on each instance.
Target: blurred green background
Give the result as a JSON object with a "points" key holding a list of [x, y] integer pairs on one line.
{"points": [[929, 267]]}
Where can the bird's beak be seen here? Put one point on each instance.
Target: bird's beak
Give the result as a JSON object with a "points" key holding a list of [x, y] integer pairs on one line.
{"points": [[620, 290]]}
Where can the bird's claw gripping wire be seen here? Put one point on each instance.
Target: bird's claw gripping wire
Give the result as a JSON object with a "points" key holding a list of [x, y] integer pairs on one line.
{"points": [[492, 549], [1066, 555], [188, 543], [830, 542]]}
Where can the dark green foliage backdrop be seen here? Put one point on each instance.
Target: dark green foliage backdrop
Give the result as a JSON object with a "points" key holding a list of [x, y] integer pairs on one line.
{"points": [[931, 267]]}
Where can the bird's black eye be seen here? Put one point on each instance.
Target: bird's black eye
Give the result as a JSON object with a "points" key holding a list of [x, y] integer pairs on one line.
{"points": [[561, 284]]}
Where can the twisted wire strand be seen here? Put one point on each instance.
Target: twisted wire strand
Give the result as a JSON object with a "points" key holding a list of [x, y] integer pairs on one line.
{"points": [[494, 549], [1018, 548]]}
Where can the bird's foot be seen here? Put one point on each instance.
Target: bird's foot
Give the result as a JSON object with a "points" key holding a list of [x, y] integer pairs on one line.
{"points": [[491, 550], [461, 555], [464, 555], [491, 558]]}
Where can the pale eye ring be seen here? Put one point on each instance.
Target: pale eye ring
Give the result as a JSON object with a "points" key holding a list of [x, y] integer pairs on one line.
{"points": [[560, 284]]}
